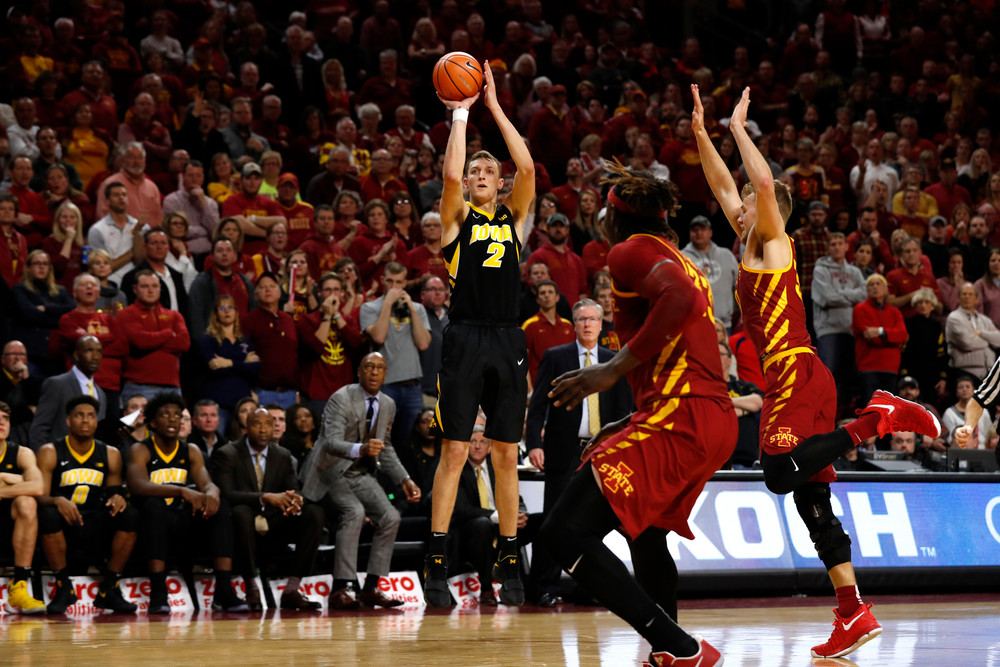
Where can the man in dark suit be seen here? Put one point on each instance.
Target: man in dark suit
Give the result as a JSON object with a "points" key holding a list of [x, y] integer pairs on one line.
{"points": [[353, 443], [257, 478], [567, 431], [475, 521], [49, 424]]}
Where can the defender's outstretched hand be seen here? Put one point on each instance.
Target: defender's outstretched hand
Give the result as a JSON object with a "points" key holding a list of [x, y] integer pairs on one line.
{"points": [[490, 87], [698, 113], [739, 117]]}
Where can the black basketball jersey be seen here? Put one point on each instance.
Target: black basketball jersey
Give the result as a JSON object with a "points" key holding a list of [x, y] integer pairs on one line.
{"points": [[483, 268], [80, 478], [9, 461], [167, 468]]}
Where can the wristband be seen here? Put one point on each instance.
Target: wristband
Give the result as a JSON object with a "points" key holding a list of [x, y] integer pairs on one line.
{"points": [[460, 116]]}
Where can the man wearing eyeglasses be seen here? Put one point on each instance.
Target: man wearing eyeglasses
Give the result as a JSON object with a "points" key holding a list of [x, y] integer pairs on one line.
{"points": [[568, 431], [19, 388], [379, 183]]}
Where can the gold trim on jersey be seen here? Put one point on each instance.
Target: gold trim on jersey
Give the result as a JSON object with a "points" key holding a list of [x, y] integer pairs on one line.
{"points": [[489, 216], [81, 459], [784, 353], [167, 459], [791, 261], [452, 266]]}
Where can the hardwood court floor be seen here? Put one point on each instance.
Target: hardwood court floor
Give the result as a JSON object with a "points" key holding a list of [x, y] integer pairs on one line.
{"points": [[924, 631]]}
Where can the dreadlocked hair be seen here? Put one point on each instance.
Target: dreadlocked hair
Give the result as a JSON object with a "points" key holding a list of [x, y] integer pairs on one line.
{"points": [[645, 193]]}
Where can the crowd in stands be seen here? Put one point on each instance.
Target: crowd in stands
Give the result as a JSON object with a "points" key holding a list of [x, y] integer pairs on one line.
{"points": [[237, 205]]}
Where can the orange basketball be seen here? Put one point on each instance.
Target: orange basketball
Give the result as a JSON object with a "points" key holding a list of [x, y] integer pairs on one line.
{"points": [[457, 76]]}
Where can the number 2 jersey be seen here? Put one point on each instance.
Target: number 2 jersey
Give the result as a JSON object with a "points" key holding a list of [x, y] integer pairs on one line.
{"points": [[483, 269], [682, 366], [80, 479]]}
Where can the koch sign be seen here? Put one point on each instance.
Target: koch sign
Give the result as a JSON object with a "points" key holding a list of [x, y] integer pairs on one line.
{"points": [[740, 525]]}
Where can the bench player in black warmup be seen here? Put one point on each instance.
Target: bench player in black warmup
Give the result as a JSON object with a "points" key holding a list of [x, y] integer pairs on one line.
{"points": [[485, 354], [82, 502], [171, 487]]}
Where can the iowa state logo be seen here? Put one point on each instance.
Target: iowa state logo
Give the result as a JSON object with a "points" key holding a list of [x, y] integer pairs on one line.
{"points": [[784, 438]]}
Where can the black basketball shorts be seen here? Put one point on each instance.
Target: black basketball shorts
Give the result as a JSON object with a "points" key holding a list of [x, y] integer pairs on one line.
{"points": [[482, 366]]}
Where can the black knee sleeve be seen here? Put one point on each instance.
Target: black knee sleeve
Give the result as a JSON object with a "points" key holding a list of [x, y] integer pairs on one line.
{"points": [[832, 544], [126, 521], [50, 521]]}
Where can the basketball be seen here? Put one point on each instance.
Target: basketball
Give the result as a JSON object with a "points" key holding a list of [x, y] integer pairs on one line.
{"points": [[457, 76]]}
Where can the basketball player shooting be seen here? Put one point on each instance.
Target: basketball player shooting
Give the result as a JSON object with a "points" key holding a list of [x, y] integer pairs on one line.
{"points": [[797, 438], [484, 356]]}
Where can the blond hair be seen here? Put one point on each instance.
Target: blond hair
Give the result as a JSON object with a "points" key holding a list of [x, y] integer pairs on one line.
{"points": [[214, 328], [782, 193], [58, 233]]}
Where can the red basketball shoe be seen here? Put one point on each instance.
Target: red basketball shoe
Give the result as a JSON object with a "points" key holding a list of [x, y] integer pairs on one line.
{"points": [[898, 414], [707, 656], [849, 633]]}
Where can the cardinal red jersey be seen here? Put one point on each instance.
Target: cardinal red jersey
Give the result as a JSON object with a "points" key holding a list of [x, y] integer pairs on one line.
{"points": [[798, 387], [300, 223], [771, 303], [686, 365]]}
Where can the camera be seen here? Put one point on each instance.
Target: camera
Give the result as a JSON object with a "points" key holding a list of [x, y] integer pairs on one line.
{"points": [[400, 310]]}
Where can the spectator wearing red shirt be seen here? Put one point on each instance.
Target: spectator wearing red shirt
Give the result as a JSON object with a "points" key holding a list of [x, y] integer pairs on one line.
{"points": [[272, 333], [379, 183], [329, 341], [811, 243], [322, 249], [569, 192], [124, 64], [388, 90], [276, 254], [836, 187], [868, 230], [681, 157], [145, 203], [909, 129], [550, 133], [427, 258], [221, 278], [910, 276], [375, 248], [947, 192], [615, 128], [102, 107], [87, 320], [595, 256], [157, 337], [298, 213], [13, 246], [150, 132], [910, 220], [406, 118], [545, 329], [770, 97], [254, 212], [269, 126], [879, 334], [565, 266], [34, 219]]}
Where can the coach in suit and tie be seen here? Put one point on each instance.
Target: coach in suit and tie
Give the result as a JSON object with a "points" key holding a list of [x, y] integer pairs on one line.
{"points": [[567, 431], [257, 477], [353, 444], [49, 424]]}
